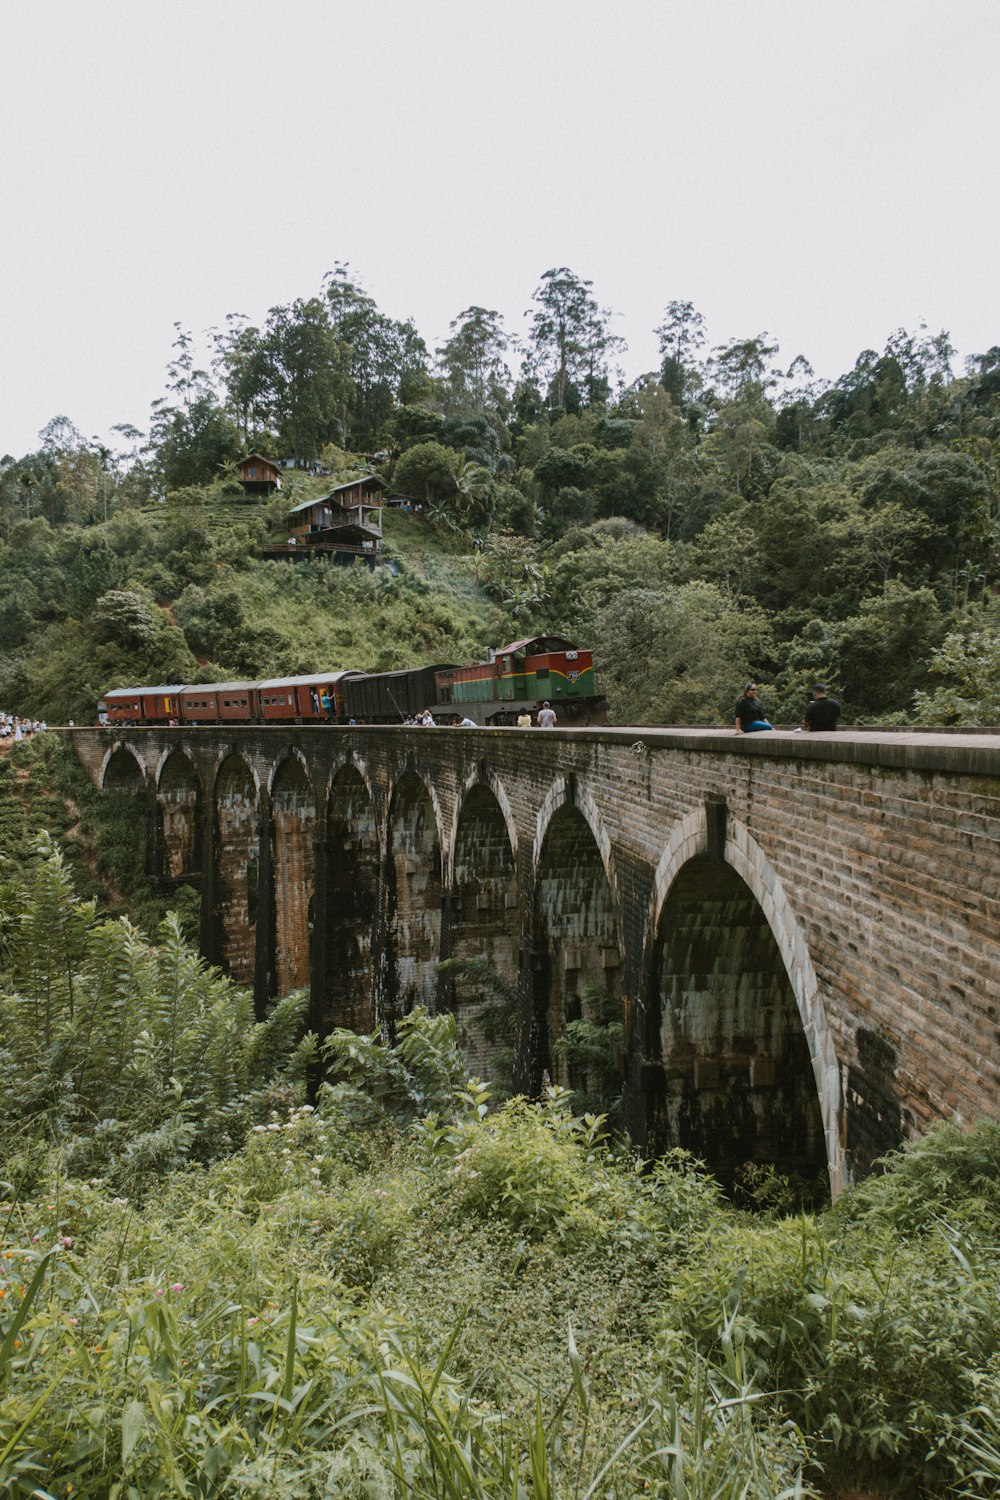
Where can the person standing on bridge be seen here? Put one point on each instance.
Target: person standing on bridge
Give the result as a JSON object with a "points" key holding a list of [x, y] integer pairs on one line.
{"points": [[546, 716], [823, 712], [749, 712]]}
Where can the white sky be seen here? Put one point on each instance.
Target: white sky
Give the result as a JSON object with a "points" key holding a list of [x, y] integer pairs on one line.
{"points": [[822, 169]]}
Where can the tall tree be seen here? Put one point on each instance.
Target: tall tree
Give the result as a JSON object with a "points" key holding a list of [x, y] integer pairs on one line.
{"points": [[475, 374], [681, 335], [569, 340], [386, 360]]}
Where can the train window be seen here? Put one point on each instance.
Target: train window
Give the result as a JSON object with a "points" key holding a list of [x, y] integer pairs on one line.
{"points": [[541, 671]]}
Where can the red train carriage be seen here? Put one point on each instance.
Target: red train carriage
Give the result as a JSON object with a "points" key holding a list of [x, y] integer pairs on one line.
{"points": [[304, 700], [219, 703], [144, 705]]}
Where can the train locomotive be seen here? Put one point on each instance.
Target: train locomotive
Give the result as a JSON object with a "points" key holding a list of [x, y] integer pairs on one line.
{"points": [[516, 679]]}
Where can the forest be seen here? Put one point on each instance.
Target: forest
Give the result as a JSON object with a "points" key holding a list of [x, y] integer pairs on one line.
{"points": [[727, 516]]}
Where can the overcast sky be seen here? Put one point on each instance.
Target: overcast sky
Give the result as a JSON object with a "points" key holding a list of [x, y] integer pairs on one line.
{"points": [[823, 171]]}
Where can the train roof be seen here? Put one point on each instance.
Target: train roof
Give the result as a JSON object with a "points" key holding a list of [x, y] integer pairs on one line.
{"points": [[545, 642], [174, 687], [441, 666], [313, 679], [218, 687]]}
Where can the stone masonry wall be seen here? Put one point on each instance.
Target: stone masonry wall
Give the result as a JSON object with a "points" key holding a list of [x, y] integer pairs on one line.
{"points": [[875, 859]]}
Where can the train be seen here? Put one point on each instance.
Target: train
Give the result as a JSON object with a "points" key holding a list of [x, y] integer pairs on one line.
{"points": [[517, 679]]}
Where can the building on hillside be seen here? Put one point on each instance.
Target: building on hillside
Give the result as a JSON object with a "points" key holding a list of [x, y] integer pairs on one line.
{"points": [[405, 502], [304, 466], [258, 475], [344, 526]]}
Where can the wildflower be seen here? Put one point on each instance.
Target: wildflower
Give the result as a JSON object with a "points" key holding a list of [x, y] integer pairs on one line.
{"points": [[35, 1238], [252, 1321], [177, 1286], [315, 1171], [159, 1291], [66, 1242]]}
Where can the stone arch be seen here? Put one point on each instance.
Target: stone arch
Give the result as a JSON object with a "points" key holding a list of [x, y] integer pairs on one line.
{"points": [[348, 905], [483, 923], [738, 1059], [481, 777], [293, 828], [413, 890], [179, 814], [236, 860], [122, 771], [576, 952]]}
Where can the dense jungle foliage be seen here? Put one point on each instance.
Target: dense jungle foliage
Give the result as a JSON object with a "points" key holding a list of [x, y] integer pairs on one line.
{"points": [[210, 1288], [722, 517]]}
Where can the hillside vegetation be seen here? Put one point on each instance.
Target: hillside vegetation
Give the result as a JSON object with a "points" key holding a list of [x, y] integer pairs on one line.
{"points": [[725, 516]]}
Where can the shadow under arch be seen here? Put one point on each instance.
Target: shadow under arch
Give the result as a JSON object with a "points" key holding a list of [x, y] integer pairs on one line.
{"points": [[179, 819], [346, 907], [412, 891], [122, 772], [293, 823], [576, 953], [738, 1058], [483, 926]]}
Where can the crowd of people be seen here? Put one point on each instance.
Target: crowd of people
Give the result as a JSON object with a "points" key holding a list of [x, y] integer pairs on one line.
{"points": [[13, 728]]}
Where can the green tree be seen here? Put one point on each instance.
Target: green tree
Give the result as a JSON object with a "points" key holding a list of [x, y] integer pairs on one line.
{"points": [[427, 471], [681, 335], [474, 372], [569, 340], [678, 656], [386, 360]]}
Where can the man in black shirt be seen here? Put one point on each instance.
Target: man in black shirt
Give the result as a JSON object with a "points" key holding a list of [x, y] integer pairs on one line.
{"points": [[823, 712]]}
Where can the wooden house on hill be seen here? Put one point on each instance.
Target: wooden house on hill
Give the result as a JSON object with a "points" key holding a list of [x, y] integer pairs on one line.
{"points": [[258, 475], [344, 525]]}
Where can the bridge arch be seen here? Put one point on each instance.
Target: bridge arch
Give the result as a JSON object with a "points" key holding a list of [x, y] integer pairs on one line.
{"points": [[577, 968], [122, 771], [293, 823], [179, 812], [236, 844], [483, 922], [734, 1015], [347, 904], [413, 890]]}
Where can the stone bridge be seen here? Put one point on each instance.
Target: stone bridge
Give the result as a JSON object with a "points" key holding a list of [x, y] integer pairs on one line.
{"points": [[788, 945]]}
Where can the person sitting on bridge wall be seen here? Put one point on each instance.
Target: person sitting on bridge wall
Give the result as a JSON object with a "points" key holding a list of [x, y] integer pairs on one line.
{"points": [[749, 713], [823, 712]]}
